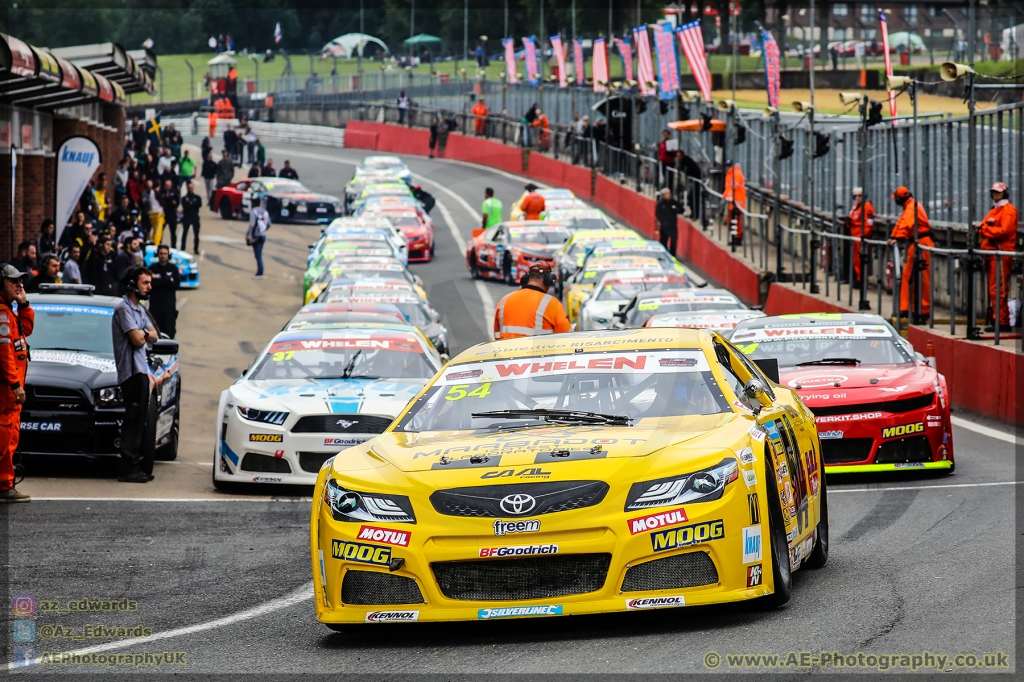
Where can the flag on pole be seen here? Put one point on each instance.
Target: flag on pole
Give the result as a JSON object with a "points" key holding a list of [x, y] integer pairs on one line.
{"points": [[625, 48], [692, 41], [668, 71], [600, 65], [888, 59], [510, 59], [579, 65], [644, 65], [559, 50], [277, 33], [773, 79], [532, 69]]}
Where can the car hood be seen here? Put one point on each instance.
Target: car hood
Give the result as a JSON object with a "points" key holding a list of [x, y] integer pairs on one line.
{"points": [[603, 308], [303, 196], [71, 369], [412, 452], [836, 384], [536, 247], [334, 396]]}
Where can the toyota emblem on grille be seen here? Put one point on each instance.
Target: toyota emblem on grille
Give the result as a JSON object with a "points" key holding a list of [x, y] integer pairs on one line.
{"points": [[518, 504], [344, 423]]}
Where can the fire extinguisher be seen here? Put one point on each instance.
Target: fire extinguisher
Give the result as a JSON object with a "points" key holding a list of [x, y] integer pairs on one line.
{"points": [[826, 256], [890, 268]]}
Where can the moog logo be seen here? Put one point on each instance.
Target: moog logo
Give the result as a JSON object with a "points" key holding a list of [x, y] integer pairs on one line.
{"points": [[902, 430]]}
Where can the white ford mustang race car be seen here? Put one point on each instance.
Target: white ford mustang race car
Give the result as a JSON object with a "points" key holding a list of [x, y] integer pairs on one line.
{"points": [[311, 394]]}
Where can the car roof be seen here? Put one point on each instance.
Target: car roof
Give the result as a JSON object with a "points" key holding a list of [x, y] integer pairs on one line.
{"points": [[88, 301], [815, 319], [630, 340], [516, 224], [617, 262], [687, 294], [343, 307], [348, 318], [612, 233], [636, 277]]}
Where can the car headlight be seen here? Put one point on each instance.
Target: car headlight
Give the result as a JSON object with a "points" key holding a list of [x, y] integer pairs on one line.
{"points": [[601, 320], [265, 416], [700, 486], [107, 397], [349, 505]]}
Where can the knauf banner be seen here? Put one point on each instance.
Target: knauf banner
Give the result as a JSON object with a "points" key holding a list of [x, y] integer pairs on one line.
{"points": [[77, 162]]}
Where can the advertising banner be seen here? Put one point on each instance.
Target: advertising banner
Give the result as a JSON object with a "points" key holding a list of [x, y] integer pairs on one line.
{"points": [[77, 162]]}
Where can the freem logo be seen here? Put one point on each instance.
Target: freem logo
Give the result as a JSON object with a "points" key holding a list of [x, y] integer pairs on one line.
{"points": [[902, 430]]}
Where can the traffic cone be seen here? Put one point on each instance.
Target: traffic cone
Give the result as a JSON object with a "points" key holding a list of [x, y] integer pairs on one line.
{"points": [[929, 354]]}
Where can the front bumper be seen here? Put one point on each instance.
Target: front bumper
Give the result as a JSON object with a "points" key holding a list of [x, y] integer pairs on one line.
{"points": [[588, 560], [94, 433], [882, 441]]}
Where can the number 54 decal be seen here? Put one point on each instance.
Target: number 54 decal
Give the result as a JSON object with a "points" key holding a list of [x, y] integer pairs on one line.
{"points": [[458, 392]]}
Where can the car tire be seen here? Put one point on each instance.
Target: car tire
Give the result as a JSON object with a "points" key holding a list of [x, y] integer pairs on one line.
{"points": [[506, 270], [819, 554], [226, 212], [168, 452], [778, 546], [147, 451], [224, 486], [474, 268]]}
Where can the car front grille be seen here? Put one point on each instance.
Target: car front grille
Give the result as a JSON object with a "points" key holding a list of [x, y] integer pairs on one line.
{"points": [[375, 587], [912, 449], [53, 398], [674, 572], [518, 579], [486, 501], [891, 406], [835, 451], [416, 253], [342, 423], [313, 461], [253, 461]]}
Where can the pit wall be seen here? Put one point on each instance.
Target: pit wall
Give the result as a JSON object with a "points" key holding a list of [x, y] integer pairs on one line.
{"points": [[985, 385]]}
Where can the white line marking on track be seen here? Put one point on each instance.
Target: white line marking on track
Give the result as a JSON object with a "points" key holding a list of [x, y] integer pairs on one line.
{"points": [[218, 239], [298, 596], [833, 491], [983, 430]]}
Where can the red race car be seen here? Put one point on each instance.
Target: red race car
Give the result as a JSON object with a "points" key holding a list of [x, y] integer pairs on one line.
{"points": [[414, 224], [506, 251], [878, 405]]}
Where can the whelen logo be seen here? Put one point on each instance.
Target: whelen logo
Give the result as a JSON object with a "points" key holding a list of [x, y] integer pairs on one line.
{"points": [[388, 537], [654, 602], [654, 521], [902, 430], [392, 616]]}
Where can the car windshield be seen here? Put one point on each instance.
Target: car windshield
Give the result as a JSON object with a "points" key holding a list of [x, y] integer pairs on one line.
{"points": [[357, 272], [640, 313], [380, 163], [624, 290], [635, 385], [284, 186], [662, 256], [539, 235], [72, 327], [415, 312], [405, 221], [345, 356], [870, 344]]}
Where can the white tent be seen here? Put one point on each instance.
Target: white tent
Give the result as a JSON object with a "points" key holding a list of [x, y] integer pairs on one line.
{"points": [[1013, 42], [346, 45], [910, 41]]}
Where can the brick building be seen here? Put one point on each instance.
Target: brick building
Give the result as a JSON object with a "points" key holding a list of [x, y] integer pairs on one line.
{"points": [[47, 97]]}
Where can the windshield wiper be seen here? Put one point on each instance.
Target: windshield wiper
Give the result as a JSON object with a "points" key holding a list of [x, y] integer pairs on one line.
{"points": [[830, 361], [347, 372], [559, 416]]}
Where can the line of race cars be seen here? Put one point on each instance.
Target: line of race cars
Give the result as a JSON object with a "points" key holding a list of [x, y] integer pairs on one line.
{"points": [[364, 343], [646, 461]]}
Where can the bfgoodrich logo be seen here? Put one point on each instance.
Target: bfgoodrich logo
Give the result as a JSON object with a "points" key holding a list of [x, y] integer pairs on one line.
{"points": [[392, 616], [654, 603]]}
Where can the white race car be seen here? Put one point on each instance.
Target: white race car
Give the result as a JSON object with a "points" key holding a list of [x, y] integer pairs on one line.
{"points": [[313, 393], [597, 310], [721, 321]]}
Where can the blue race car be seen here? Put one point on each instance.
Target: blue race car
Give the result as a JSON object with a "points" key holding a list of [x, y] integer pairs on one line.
{"points": [[186, 262]]}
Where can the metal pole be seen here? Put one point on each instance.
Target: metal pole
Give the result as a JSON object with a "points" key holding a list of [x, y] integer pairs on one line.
{"points": [[573, 21], [862, 144], [192, 79], [465, 30], [915, 184], [973, 332], [777, 185], [610, 18], [505, 34], [734, 19], [412, 25], [359, 53]]}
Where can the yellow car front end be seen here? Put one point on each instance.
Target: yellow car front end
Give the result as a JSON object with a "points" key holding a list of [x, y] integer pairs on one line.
{"points": [[573, 511]]}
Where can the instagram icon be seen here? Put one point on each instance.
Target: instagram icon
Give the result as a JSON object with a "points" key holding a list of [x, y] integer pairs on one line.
{"points": [[23, 605]]}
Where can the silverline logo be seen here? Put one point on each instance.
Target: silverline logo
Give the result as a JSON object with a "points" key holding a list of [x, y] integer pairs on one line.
{"points": [[513, 611]]}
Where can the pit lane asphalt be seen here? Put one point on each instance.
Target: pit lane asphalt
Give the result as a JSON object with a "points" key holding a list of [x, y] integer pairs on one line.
{"points": [[917, 563]]}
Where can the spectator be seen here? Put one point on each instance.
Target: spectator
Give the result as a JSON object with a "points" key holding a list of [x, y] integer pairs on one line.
{"points": [[288, 171], [666, 153], [155, 210], [695, 176], [250, 143], [121, 218], [163, 303], [46, 243], [403, 107], [599, 131], [136, 187], [256, 235], [121, 176], [139, 136], [205, 147], [666, 212], [169, 199], [49, 273], [71, 273], [100, 269], [225, 170], [14, 363], [261, 153], [186, 169], [231, 144], [174, 142], [190, 205], [434, 130], [26, 258], [268, 170], [128, 258], [131, 331], [254, 170], [171, 175], [163, 164], [209, 173], [528, 118]]}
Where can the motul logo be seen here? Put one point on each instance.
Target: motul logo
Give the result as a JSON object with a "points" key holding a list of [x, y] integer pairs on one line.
{"points": [[646, 523], [398, 538]]}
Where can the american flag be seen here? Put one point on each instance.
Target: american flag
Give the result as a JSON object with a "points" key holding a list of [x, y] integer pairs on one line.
{"points": [[532, 68], [888, 59], [771, 68], [559, 50], [600, 65], [277, 33], [644, 66], [692, 40], [579, 64], [626, 51], [510, 59], [668, 69]]}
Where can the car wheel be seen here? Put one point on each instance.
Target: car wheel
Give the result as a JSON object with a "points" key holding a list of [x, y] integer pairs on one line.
{"points": [[168, 452], [782, 573], [226, 486], [474, 268], [226, 211], [147, 451], [506, 269], [819, 554]]}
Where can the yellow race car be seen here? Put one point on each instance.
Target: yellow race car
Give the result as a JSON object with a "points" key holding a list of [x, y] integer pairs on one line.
{"points": [[569, 258], [554, 198], [582, 283], [570, 474]]}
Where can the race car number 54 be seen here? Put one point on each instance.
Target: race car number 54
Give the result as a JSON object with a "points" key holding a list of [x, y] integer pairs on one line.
{"points": [[458, 392]]}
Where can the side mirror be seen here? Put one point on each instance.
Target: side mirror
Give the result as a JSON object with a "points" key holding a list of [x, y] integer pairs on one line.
{"points": [[477, 231], [244, 372], [757, 307], [418, 280], [445, 358], [621, 306], [755, 390], [165, 347], [434, 315], [770, 368]]}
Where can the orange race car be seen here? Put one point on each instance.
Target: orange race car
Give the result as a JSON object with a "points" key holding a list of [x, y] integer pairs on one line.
{"points": [[507, 251]]}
